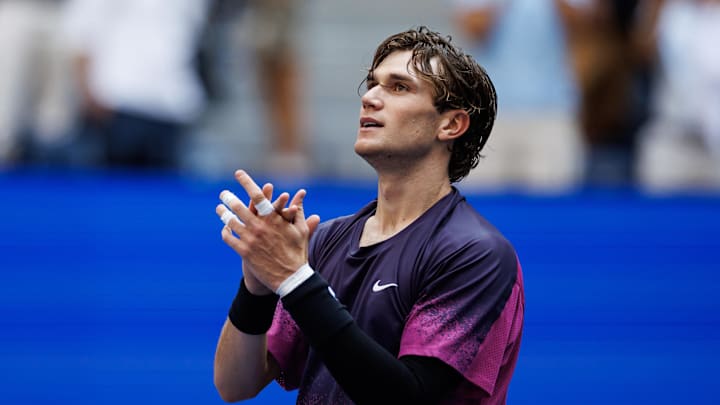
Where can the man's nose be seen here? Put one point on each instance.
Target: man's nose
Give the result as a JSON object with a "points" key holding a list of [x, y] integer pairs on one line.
{"points": [[371, 98]]}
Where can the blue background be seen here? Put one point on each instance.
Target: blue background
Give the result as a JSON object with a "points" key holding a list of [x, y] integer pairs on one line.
{"points": [[114, 286]]}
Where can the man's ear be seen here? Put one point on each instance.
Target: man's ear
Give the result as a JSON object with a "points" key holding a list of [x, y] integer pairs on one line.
{"points": [[453, 124]]}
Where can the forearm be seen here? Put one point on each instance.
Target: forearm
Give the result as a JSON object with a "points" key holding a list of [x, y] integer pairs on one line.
{"points": [[242, 364], [365, 370]]}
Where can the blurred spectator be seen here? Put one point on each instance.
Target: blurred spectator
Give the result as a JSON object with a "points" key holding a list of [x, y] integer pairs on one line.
{"points": [[137, 75], [36, 98], [215, 50], [680, 146], [270, 28], [535, 143], [613, 52]]}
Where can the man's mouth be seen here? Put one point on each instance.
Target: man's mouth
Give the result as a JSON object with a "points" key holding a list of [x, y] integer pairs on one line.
{"points": [[369, 123]]}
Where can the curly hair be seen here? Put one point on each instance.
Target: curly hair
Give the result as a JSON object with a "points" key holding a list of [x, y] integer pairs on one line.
{"points": [[459, 83]]}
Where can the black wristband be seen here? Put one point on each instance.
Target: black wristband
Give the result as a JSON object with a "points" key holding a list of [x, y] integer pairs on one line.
{"points": [[250, 313], [316, 310]]}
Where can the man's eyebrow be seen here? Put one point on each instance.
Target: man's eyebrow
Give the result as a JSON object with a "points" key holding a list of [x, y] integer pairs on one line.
{"points": [[391, 77], [400, 77]]}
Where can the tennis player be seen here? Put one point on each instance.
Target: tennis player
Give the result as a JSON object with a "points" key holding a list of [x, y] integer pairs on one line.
{"points": [[414, 299]]}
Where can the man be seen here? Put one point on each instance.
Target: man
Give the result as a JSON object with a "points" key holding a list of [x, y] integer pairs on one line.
{"points": [[139, 86], [679, 145], [536, 143], [613, 54], [271, 27], [415, 298], [37, 104]]}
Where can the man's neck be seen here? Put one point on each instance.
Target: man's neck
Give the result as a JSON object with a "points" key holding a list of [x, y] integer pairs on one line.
{"points": [[401, 200]]}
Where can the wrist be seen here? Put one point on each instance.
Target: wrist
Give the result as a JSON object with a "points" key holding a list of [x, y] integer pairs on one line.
{"points": [[252, 313], [255, 287], [297, 278]]}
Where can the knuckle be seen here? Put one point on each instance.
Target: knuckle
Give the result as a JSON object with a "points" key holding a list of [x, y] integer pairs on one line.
{"points": [[249, 239]]}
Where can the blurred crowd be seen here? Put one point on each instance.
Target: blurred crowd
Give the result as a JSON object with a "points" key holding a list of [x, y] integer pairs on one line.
{"points": [[599, 92], [104, 83]]}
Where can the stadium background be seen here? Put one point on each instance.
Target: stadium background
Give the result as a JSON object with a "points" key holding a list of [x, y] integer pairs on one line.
{"points": [[114, 284]]}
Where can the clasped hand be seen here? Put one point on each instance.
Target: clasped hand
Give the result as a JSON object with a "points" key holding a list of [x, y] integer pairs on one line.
{"points": [[272, 246]]}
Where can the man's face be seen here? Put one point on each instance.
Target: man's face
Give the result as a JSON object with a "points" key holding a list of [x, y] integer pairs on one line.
{"points": [[398, 121]]}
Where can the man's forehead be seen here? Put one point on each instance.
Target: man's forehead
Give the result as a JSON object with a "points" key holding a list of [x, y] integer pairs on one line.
{"points": [[399, 62]]}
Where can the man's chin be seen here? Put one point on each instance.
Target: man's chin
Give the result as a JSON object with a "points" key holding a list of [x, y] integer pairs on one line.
{"points": [[364, 150]]}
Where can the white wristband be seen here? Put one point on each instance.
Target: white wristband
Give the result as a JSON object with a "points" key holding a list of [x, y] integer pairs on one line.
{"points": [[297, 278]]}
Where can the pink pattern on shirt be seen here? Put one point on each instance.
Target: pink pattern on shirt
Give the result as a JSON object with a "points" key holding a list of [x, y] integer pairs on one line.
{"points": [[488, 364]]}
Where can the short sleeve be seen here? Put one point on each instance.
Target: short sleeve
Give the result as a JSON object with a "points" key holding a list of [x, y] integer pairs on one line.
{"points": [[454, 317]]}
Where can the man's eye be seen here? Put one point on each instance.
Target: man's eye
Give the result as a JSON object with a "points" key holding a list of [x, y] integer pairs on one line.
{"points": [[394, 87], [400, 87]]}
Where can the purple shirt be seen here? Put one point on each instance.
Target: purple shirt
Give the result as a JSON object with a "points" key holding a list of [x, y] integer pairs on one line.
{"points": [[447, 286]]}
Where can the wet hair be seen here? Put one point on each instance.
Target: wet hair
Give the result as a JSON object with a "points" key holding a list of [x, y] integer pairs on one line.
{"points": [[459, 82]]}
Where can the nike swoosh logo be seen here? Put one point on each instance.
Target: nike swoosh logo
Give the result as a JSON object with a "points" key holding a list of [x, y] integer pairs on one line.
{"points": [[377, 287]]}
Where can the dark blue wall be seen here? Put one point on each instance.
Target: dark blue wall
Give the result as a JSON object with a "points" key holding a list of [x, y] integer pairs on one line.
{"points": [[113, 288]]}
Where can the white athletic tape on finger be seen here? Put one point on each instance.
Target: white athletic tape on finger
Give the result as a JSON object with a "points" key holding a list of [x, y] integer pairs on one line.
{"points": [[228, 197], [264, 208], [227, 216]]}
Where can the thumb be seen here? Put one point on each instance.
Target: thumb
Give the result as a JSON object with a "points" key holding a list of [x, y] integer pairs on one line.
{"points": [[312, 222]]}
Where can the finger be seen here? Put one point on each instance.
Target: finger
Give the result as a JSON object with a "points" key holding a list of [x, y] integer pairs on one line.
{"points": [[299, 197], [298, 203], [227, 236], [236, 205], [267, 190], [279, 205], [233, 241], [239, 208], [312, 222], [254, 192], [281, 201], [289, 213], [264, 208], [231, 232], [230, 200], [226, 216]]}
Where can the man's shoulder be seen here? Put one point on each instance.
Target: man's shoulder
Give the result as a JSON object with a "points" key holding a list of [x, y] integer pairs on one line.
{"points": [[466, 229], [468, 221]]}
